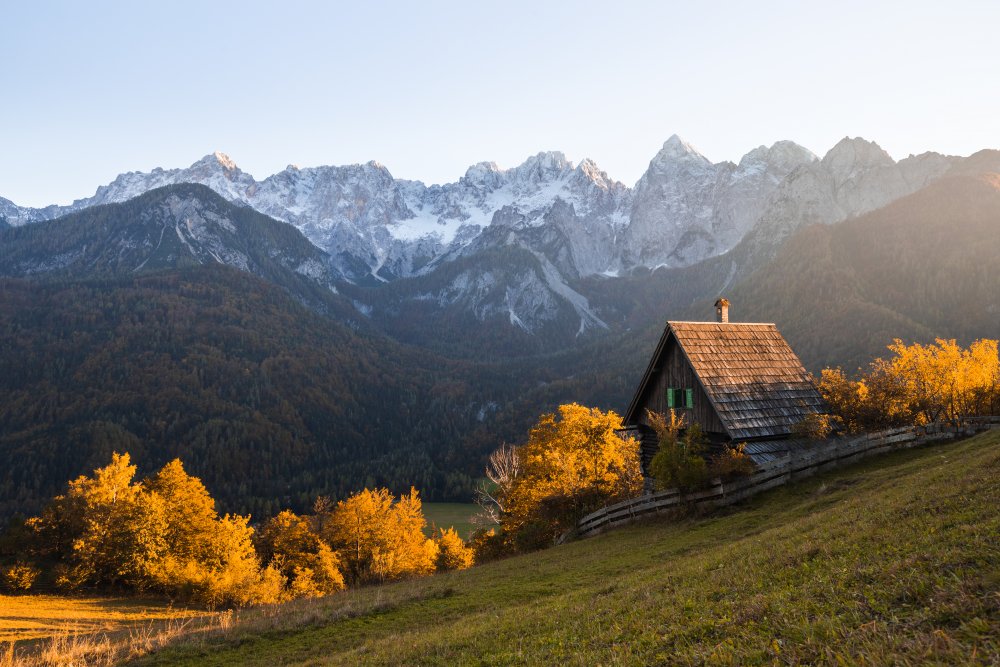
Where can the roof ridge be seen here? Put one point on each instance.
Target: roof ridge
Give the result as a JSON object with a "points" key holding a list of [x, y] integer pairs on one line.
{"points": [[767, 324]]}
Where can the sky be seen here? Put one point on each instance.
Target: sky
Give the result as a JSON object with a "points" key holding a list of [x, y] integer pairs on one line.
{"points": [[94, 89]]}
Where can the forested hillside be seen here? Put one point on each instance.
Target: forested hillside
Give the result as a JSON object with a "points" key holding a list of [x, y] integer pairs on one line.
{"points": [[270, 403]]}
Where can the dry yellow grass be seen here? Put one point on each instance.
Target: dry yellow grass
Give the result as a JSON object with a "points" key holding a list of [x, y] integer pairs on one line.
{"points": [[27, 617], [55, 630]]}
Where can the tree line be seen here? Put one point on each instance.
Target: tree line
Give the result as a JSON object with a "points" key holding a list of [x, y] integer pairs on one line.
{"points": [[164, 535], [917, 384]]}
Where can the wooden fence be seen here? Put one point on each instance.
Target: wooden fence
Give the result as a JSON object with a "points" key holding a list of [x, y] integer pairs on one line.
{"points": [[794, 465]]}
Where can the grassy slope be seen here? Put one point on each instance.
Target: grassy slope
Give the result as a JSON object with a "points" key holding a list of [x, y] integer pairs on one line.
{"points": [[896, 560]]}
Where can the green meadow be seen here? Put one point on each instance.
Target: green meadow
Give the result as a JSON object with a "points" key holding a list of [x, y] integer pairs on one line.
{"points": [[895, 560]]}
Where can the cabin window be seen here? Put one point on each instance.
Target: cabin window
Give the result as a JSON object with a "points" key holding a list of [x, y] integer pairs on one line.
{"points": [[680, 398]]}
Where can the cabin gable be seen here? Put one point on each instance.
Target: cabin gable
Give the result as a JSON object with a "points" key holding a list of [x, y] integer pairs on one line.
{"points": [[675, 385]]}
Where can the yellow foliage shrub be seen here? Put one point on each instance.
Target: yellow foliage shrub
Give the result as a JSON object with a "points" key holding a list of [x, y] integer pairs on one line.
{"points": [[20, 577], [919, 384], [297, 551], [453, 553]]}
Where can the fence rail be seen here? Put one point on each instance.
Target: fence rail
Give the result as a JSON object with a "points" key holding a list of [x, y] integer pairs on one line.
{"points": [[790, 467]]}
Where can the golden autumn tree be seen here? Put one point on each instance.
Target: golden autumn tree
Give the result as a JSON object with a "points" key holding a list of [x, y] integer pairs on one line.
{"points": [[918, 384], [572, 463], [239, 580], [310, 565], [208, 557], [379, 538], [190, 514], [941, 380], [452, 551], [160, 535], [106, 529], [875, 400]]}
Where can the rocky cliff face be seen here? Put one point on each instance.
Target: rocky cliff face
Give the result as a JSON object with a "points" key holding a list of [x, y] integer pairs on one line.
{"points": [[855, 177], [687, 209]]}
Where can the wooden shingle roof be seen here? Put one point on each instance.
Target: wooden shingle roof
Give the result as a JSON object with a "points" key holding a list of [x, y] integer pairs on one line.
{"points": [[753, 379]]}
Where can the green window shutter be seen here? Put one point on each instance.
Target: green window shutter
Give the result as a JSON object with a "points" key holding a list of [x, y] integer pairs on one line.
{"points": [[689, 398], [670, 397]]}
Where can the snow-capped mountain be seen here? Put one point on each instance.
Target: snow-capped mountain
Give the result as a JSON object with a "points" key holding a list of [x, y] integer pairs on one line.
{"points": [[374, 224], [562, 221], [684, 208]]}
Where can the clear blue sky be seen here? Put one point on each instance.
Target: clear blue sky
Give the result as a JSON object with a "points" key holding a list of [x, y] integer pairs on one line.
{"points": [[91, 89]]}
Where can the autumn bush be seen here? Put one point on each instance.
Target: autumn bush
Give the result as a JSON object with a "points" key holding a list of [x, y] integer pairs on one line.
{"points": [[19, 577], [731, 463], [452, 552], [310, 565], [380, 538], [487, 544], [816, 426]]}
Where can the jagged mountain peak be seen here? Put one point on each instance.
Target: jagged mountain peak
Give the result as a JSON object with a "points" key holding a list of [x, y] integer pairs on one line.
{"points": [[482, 174], [541, 166], [588, 170], [850, 154], [224, 160], [784, 151], [676, 147], [374, 172], [215, 160], [678, 155]]}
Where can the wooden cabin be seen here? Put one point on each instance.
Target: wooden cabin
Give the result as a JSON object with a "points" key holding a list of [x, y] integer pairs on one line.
{"points": [[740, 382]]}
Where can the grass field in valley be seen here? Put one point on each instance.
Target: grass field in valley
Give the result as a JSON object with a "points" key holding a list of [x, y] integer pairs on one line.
{"points": [[456, 515], [892, 561]]}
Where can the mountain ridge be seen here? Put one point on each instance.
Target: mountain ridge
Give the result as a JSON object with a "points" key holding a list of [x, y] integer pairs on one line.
{"points": [[577, 221], [683, 209]]}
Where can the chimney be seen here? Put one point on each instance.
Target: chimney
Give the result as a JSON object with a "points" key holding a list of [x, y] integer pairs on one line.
{"points": [[722, 310]]}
